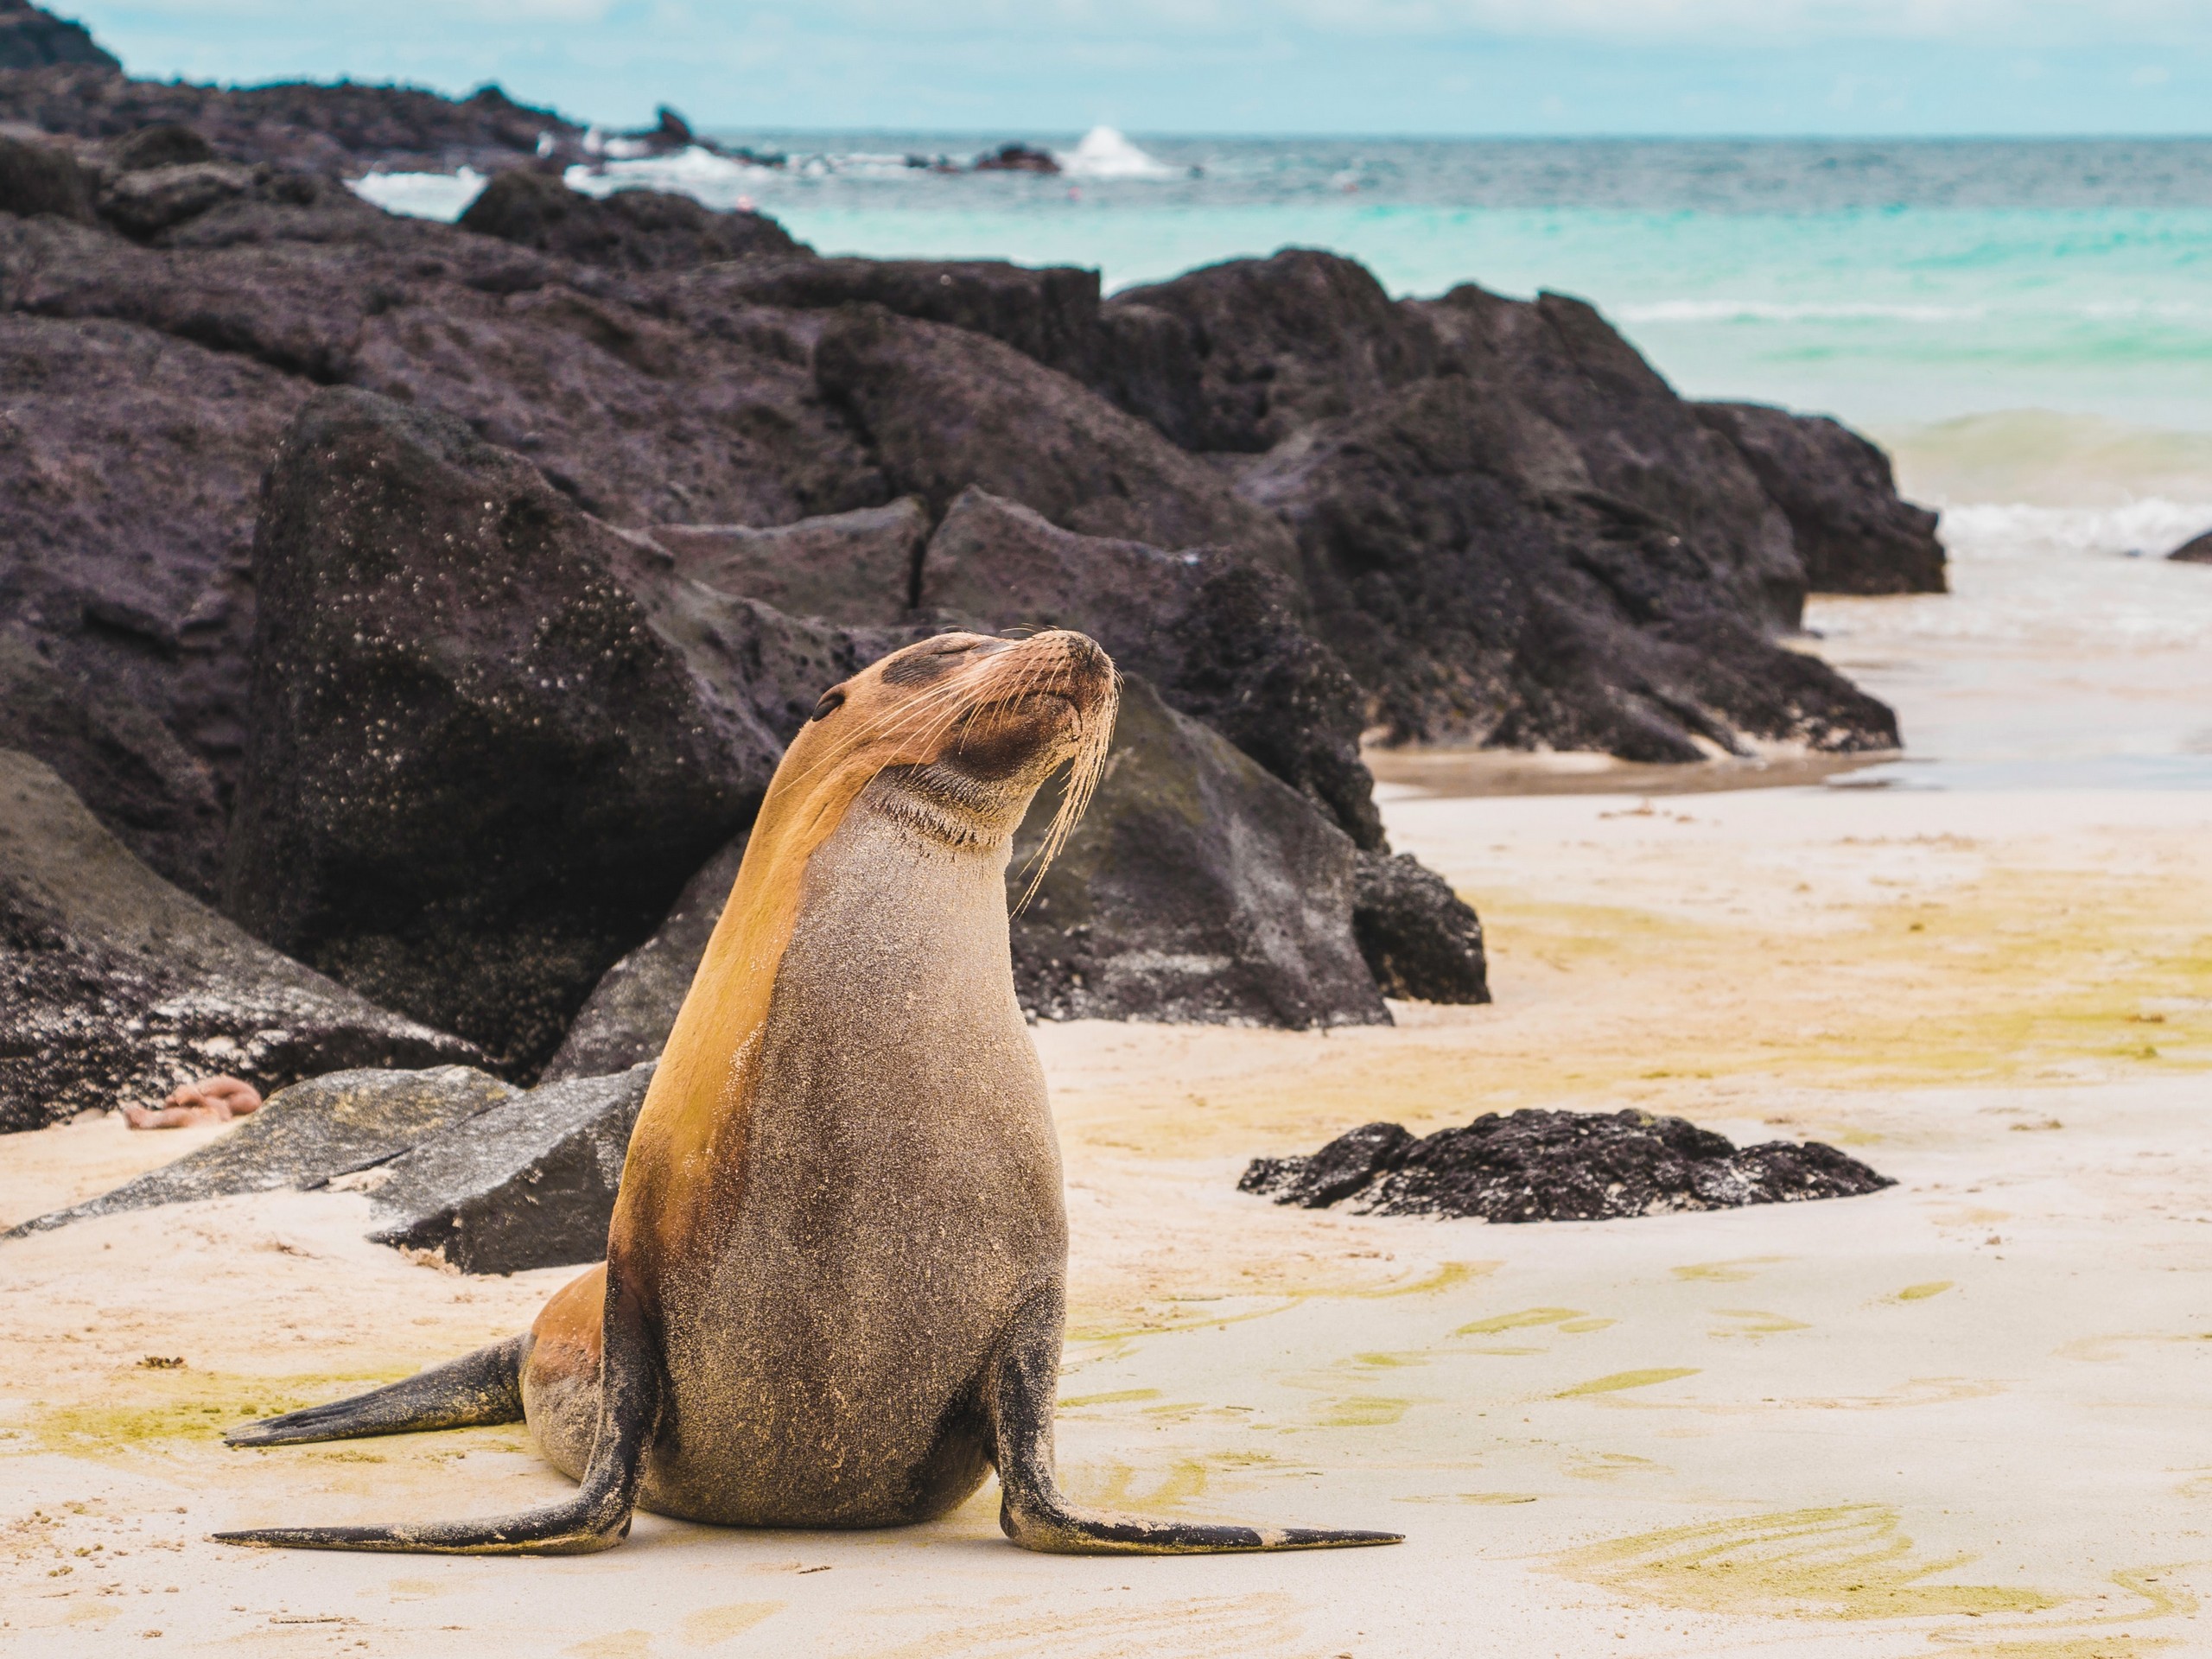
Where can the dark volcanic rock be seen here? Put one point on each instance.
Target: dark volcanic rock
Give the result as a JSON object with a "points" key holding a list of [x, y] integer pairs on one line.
{"points": [[1279, 343], [305, 1136], [128, 464], [1016, 158], [340, 130], [1215, 633], [2196, 550], [163, 145], [480, 770], [122, 764], [530, 1182], [31, 38], [1595, 420], [630, 230], [1855, 534], [1545, 1165], [114, 987], [944, 409], [1049, 313], [1421, 940], [145, 203], [633, 1009], [42, 178], [1197, 888], [759, 669], [1483, 587], [856, 567]]}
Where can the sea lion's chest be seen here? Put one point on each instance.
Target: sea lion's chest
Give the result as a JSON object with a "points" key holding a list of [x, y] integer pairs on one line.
{"points": [[899, 1193]]}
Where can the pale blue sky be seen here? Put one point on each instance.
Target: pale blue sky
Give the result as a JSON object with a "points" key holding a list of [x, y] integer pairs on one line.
{"points": [[1370, 67]]}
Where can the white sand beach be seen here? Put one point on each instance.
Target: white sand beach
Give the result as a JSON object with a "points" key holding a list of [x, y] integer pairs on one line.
{"points": [[1965, 1416]]}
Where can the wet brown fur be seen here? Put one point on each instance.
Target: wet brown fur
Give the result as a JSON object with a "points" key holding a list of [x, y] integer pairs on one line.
{"points": [[691, 1175]]}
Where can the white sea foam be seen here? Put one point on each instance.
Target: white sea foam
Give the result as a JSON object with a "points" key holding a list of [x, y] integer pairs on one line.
{"points": [[1105, 154], [2153, 527], [421, 195], [717, 181]]}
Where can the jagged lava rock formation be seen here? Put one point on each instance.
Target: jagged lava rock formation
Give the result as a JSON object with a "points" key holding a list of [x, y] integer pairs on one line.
{"points": [[1546, 1165], [465, 776]]}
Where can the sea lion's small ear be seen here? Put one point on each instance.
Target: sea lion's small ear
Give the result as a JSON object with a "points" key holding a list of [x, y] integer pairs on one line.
{"points": [[832, 701]]}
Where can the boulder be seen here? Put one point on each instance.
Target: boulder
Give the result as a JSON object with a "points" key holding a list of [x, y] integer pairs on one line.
{"points": [[1593, 420], [756, 666], [127, 767], [479, 769], [147, 201], [1197, 888], [306, 1135], [1278, 344], [630, 1011], [1853, 530], [31, 38], [943, 409], [1483, 587], [1050, 313], [858, 568], [163, 144], [630, 230], [128, 462], [1423, 942], [36, 177], [530, 1182], [1216, 633], [1146, 362], [2196, 551], [1547, 1166], [1015, 158], [114, 987]]}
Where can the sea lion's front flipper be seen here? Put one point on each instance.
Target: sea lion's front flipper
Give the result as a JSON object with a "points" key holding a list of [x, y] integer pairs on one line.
{"points": [[597, 1517], [1019, 1393], [485, 1387]]}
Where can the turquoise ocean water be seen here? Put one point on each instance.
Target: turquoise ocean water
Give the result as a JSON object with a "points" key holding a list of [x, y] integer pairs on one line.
{"points": [[2026, 325]]}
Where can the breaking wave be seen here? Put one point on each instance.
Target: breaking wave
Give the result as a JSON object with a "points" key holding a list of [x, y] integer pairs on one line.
{"points": [[1105, 154]]}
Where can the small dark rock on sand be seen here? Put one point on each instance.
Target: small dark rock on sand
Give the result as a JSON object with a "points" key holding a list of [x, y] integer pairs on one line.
{"points": [[1543, 1165], [2196, 550]]}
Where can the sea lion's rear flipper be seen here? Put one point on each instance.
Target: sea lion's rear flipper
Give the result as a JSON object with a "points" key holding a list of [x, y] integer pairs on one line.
{"points": [[596, 1517], [1019, 1393], [485, 1387]]}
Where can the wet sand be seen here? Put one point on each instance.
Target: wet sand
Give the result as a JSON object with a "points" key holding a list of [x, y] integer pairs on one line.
{"points": [[1963, 1416]]}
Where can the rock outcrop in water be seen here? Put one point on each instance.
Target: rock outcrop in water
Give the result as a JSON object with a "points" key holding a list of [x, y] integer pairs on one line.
{"points": [[1855, 534], [1547, 1166], [114, 987]]}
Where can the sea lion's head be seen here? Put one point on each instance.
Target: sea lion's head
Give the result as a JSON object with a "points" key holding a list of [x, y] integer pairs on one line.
{"points": [[957, 732]]}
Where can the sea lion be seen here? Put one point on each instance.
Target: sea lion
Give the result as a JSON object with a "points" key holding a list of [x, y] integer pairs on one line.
{"points": [[834, 1282]]}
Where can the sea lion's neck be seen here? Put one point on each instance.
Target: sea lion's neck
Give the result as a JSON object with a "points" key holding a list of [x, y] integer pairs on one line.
{"points": [[942, 805]]}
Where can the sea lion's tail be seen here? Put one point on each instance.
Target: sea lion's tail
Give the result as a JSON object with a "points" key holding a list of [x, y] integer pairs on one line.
{"points": [[485, 1387]]}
